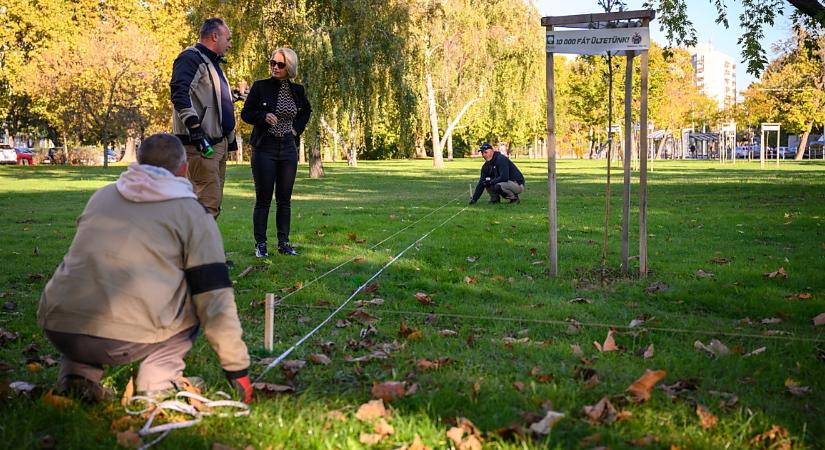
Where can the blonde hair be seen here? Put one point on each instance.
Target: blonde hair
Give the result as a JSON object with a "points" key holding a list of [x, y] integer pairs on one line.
{"points": [[291, 60]]}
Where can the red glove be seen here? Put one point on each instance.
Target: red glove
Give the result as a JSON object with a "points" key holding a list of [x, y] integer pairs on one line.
{"points": [[244, 386]]}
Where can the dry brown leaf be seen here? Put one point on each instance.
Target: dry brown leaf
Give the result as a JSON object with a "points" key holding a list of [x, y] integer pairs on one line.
{"points": [[602, 412], [352, 236], [641, 388], [645, 441], [609, 344], [416, 445], [372, 410], [361, 315], [372, 287], [129, 439], [775, 439], [702, 274], [819, 320], [388, 390], [470, 280], [476, 388], [648, 352], [546, 424], [370, 438], [577, 350], [57, 401], [128, 392], [795, 389], [518, 385], [707, 419], [320, 358], [447, 333], [778, 274], [715, 348], [423, 298], [272, 388], [383, 428]]}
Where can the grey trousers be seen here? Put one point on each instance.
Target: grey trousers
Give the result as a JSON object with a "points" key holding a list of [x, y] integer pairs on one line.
{"points": [[510, 189], [85, 356]]}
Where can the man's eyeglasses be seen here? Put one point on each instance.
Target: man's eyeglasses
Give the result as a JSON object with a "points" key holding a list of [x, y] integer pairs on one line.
{"points": [[278, 64]]}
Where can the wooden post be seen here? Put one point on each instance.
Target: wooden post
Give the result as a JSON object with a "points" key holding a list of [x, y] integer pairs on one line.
{"points": [[628, 145], [269, 321], [552, 240], [643, 166]]}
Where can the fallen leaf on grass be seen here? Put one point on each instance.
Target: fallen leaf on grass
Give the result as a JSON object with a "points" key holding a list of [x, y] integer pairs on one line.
{"points": [[540, 377], [574, 327], [819, 320], [518, 385], [775, 438], [646, 441], [472, 259], [272, 388], [372, 287], [389, 390], [447, 333], [641, 388], [778, 274], [470, 280], [372, 410], [586, 301], [22, 387], [416, 445], [423, 298], [57, 401], [320, 358], [7, 336], [800, 296], [361, 315], [720, 260], [472, 440], [603, 412], [426, 364], [715, 348], [609, 344], [374, 302], [656, 287], [546, 424], [648, 352], [352, 236], [771, 320], [793, 388], [707, 419], [342, 323], [702, 274], [382, 429], [755, 352], [129, 439]]}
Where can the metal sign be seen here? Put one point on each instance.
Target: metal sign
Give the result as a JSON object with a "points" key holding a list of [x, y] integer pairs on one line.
{"points": [[770, 127], [597, 41]]}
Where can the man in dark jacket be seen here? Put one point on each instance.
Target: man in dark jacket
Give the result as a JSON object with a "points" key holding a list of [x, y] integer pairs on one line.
{"points": [[499, 176], [203, 115]]}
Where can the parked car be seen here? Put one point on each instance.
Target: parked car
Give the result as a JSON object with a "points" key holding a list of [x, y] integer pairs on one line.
{"points": [[24, 156], [7, 154]]}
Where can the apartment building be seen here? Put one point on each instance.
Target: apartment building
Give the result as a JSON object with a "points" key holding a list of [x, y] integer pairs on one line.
{"points": [[715, 74]]}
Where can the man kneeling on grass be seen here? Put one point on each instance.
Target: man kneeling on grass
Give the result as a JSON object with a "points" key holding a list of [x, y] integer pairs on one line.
{"points": [[145, 271], [499, 176]]}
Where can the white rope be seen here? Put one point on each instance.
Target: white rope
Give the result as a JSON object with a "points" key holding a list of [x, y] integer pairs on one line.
{"points": [[156, 407], [357, 291], [370, 248]]}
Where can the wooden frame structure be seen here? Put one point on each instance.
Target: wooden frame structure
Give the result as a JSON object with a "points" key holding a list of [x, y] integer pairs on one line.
{"points": [[622, 19]]}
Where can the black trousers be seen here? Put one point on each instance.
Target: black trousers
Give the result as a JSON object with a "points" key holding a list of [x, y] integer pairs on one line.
{"points": [[274, 168]]}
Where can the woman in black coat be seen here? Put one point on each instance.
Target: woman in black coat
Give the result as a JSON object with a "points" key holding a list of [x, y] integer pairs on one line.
{"points": [[279, 111]]}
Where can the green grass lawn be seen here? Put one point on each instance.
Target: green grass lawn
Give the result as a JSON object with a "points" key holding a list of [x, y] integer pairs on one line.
{"points": [[485, 272]]}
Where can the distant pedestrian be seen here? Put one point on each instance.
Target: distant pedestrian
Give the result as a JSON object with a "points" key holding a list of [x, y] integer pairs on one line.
{"points": [[144, 273], [499, 177], [203, 116], [279, 111]]}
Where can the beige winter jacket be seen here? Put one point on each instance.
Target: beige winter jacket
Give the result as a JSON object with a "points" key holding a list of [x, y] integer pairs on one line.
{"points": [[147, 262]]}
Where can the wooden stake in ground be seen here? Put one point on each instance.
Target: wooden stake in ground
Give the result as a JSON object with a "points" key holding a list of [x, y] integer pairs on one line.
{"points": [[269, 321]]}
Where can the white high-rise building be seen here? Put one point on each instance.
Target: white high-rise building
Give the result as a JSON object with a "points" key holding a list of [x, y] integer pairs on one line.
{"points": [[715, 74]]}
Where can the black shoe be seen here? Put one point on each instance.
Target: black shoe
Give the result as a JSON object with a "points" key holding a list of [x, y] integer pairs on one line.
{"points": [[260, 250], [515, 200], [85, 390], [285, 249], [495, 200]]}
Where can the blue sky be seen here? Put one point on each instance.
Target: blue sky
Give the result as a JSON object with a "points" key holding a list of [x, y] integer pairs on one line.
{"points": [[702, 13]]}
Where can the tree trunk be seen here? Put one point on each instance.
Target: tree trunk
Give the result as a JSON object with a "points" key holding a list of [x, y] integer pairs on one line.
{"points": [[316, 166], [335, 138], [661, 147], [131, 146], [450, 147], [438, 158], [302, 159], [352, 159], [803, 142], [420, 149]]}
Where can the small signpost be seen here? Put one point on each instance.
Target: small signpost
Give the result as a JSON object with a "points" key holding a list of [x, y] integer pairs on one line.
{"points": [[766, 127], [616, 33]]}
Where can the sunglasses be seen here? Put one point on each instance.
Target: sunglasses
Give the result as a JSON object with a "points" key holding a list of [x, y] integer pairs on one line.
{"points": [[278, 64]]}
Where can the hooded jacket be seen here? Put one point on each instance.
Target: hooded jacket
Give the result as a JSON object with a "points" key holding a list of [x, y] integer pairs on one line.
{"points": [[146, 263]]}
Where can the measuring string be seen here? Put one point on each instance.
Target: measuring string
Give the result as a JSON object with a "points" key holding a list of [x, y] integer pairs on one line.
{"points": [[370, 248], [357, 291]]}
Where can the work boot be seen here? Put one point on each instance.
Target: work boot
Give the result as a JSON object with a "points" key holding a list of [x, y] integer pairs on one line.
{"points": [[515, 200], [84, 389]]}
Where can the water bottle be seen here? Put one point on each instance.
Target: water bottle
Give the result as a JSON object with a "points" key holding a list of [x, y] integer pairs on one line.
{"points": [[206, 148]]}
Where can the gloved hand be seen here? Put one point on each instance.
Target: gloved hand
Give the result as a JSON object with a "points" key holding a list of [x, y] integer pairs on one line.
{"points": [[473, 201], [196, 136], [243, 385], [233, 146], [487, 183]]}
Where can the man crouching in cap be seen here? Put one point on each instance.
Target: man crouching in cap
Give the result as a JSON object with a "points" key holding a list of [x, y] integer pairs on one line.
{"points": [[145, 271], [499, 176]]}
